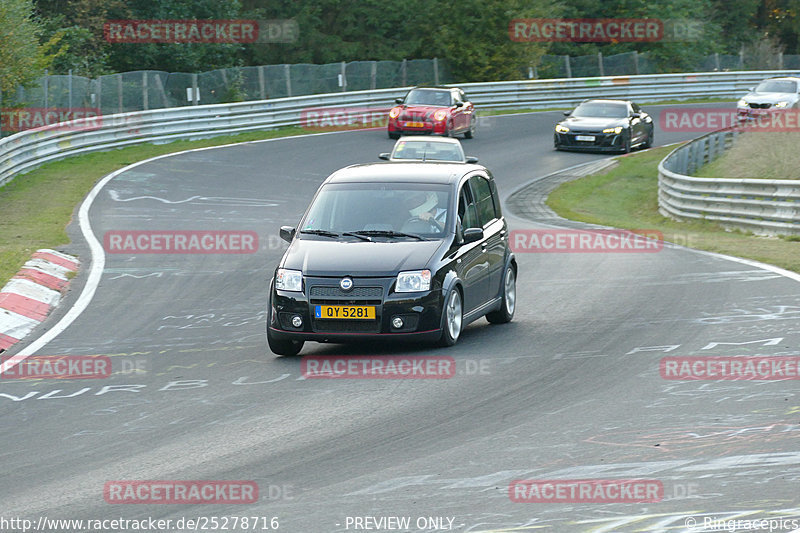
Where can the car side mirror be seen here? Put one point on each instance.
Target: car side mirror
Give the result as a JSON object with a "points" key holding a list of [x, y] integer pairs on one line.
{"points": [[636, 115], [567, 113], [472, 235], [459, 104], [384, 155], [472, 159], [398, 100], [287, 233]]}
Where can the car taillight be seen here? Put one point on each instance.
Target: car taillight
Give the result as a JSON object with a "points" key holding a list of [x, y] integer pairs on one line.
{"points": [[395, 112], [440, 115]]}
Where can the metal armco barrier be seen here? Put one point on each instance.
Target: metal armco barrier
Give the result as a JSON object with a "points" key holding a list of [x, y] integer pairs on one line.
{"points": [[770, 207], [23, 151]]}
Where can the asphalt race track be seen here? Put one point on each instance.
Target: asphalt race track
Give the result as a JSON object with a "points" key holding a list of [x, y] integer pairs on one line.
{"points": [[569, 390]]}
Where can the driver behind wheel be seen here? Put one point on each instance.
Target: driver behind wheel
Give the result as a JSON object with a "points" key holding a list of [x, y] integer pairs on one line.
{"points": [[427, 209]]}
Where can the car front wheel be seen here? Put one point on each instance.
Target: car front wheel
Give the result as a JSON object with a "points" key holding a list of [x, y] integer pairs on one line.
{"points": [[650, 136], [473, 125], [453, 316], [283, 346], [509, 303], [626, 142]]}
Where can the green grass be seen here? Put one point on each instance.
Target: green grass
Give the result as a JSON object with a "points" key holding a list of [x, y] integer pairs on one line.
{"points": [[36, 207], [626, 197], [760, 155]]}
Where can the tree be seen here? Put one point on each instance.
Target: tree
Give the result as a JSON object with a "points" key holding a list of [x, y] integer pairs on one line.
{"points": [[22, 58], [174, 57], [474, 37]]}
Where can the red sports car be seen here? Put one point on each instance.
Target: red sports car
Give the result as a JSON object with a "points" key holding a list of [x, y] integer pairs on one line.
{"points": [[433, 110]]}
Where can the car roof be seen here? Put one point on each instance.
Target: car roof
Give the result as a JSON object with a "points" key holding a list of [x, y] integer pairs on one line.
{"points": [[441, 172], [419, 138], [607, 101], [782, 78], [440, 87]]}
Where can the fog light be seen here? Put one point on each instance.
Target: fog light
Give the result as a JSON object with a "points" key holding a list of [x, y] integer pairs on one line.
{"points": [[297, 321], [397, 322]]}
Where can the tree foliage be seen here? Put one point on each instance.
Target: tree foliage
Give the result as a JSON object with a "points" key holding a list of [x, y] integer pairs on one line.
{"points": [[471, 35], [22, 57]]}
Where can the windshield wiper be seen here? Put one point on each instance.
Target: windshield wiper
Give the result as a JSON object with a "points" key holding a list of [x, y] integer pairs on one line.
{"points": [[389, 233], [357, 236], [323, 232], [333, 234]]}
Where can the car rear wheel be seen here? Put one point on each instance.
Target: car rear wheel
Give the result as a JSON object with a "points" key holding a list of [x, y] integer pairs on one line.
{"points": [[453, 316], [509, 304]]}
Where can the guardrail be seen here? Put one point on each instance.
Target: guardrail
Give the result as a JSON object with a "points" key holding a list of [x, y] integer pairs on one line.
{"points": [[23, 151], [770, 207]]}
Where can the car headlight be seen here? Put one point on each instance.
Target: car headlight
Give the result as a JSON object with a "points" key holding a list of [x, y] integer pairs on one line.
{"points": [[289, 280], [413, 281], [395, 112], [616, 130], [741, 103], [440, 115], [561, 129], [782, 104]]}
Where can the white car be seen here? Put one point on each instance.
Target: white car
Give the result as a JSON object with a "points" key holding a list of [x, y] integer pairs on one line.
{"points": [[770, 95], [428, 149]]}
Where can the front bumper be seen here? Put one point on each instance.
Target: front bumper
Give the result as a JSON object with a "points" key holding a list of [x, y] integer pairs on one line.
{"points": [[420, 311], [427, 127], [601, 142], [745, 113]]}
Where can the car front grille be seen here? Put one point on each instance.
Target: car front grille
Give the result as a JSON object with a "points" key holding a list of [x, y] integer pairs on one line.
{"points": [[759, 106], [323, 292]]}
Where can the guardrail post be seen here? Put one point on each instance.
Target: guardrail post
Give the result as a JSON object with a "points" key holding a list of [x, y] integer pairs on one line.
{"points": [[288, 70], [69, 89], [119, 93], [780, 60], [144, 91], [99, 95], [403, 73], [636, 62], [741, 58], [716, 61], [160, 89], [195, 90], [436, 71], [600, 63], [344, 76], [567, 67], [373, 74], [46, 86], [262, 92], [712, 147]]}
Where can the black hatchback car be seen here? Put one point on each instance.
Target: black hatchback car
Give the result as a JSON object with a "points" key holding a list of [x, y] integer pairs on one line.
{"points": [[395, 250], [604, 125]]}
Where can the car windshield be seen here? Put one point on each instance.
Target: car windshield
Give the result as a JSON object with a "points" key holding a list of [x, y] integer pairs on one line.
{"points": [[428, 151], [777, 86], [379, 208], [428, 97], [601, 110]]}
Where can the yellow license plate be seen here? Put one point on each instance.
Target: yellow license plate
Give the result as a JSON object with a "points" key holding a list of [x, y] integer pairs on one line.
{"points": [[415, 124], [348, 312]]}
